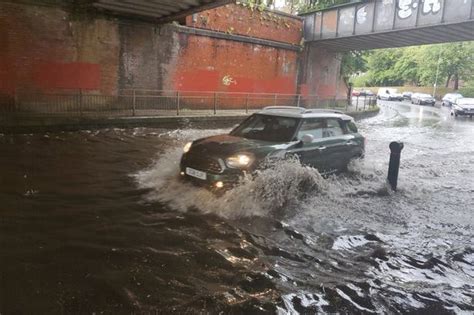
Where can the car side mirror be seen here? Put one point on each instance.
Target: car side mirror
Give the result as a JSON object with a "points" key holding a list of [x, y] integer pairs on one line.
{"points": [[307, 138]]}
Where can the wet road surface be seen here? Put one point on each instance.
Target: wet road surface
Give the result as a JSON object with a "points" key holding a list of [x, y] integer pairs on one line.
{"points": [[97, 222]]}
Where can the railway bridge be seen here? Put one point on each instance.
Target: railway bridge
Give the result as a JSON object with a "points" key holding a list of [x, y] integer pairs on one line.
{"points": [[376, 24]]}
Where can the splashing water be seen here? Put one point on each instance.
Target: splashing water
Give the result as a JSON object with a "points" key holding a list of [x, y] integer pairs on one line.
{"points": [[279, 185], [285, 241]]}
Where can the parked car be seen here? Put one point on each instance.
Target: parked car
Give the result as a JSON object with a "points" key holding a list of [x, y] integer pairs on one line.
{"points": [[325, 139], [450, 98], [366, 93], [355, 93], [389, 94], [463, 107], [422, 98], [407, 95]]}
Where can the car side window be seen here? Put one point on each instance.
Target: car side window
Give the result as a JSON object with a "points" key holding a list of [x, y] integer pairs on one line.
{"points": [[333, 128], [351, 126], [312, 126]]}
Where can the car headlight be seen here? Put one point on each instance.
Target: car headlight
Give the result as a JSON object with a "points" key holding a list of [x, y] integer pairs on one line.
{"points": [[187, 147], [239, 161]]}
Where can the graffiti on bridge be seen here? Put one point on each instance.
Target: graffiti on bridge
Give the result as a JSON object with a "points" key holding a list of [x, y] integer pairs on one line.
{"points": [[407, 7]]}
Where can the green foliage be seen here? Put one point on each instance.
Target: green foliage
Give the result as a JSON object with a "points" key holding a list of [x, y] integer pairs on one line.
{"points": [[312, 5], [259, 5], [353, 62], [468, 90], [421, 65], [359, 81], [293, 6], [382, 67]]}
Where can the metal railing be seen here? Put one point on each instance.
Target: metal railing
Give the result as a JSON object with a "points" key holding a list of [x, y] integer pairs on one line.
{"points": [[139, 102], [363, 102]]}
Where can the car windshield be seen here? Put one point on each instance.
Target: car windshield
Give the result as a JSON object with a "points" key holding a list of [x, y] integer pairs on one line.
{"points": [[267, 128], [466, 101]]}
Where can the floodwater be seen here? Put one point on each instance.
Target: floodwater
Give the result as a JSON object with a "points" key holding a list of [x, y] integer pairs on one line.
{"points": [[97, 222]]}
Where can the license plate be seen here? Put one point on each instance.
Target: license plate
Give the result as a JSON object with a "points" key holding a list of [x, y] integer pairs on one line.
{"points": [[195, 173]]}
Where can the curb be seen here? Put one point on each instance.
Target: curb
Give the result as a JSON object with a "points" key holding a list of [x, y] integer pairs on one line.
{"points": [[48, 124]]}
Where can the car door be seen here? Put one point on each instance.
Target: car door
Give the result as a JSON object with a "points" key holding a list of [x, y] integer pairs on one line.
{"points": [[339, 145], [312, 153]]}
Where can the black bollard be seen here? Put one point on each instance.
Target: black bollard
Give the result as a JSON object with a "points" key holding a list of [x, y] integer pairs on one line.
{"points": [[394, 164]]}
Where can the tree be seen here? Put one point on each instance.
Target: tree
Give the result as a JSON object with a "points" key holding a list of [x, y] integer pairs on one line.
{"points": [[421, 65], [352, 63], [300, 6], [453, 61], [381, 64]]}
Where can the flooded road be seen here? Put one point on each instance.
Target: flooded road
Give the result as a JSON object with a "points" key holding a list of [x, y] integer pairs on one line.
{"points": [[97, 222]]}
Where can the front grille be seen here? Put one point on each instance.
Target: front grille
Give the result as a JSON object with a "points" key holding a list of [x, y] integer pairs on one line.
{"points": [[205, 164]]}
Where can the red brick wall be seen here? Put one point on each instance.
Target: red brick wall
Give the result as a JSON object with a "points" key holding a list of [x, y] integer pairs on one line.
{"points": [[43, 50], [240, 20], [209, 64]]}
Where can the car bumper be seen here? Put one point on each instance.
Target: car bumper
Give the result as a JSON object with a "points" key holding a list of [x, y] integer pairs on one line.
{"points": [[214, 182], [427, 102]]}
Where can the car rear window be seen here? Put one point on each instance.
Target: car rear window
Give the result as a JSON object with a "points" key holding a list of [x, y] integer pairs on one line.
{"points": [[321, 128]]}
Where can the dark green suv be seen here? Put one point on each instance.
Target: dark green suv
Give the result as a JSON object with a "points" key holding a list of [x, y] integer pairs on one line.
{"points": [[324, 139]]}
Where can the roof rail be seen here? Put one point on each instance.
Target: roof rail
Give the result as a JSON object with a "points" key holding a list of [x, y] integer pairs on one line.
{"points": [[323, 110], [279, 108]]}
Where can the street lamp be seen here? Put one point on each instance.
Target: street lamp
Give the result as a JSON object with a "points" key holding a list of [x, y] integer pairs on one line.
{"points": [[437, 73]]}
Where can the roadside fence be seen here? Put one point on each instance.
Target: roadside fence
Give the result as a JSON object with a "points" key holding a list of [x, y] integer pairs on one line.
{"points": [[140, 102], [363, 102]]}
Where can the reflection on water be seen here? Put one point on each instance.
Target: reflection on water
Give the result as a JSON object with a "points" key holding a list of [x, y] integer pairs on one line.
{"points": [[98, 222]]}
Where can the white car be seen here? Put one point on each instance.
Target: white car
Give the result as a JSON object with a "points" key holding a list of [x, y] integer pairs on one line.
{"points": [[463, 107], [450, 98], [389, 94]]}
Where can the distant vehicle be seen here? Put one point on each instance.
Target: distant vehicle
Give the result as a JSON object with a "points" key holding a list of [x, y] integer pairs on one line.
{"points": [[450, 98], [363, 93], [366, 93], [463, 107], [389, 94], [422, 98], [407, 95], [325, 139]]}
